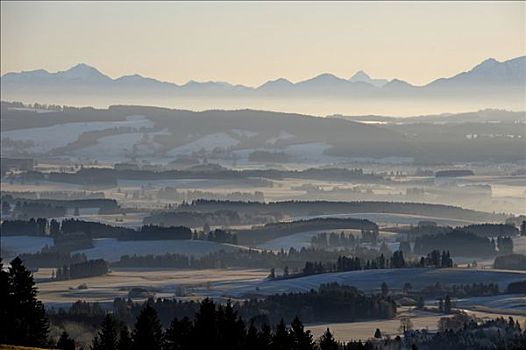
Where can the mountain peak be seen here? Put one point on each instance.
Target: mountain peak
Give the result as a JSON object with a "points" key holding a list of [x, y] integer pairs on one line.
{"points": [[360, 76], [82, 71], [326, 76], [486, 64], [277, 83]]}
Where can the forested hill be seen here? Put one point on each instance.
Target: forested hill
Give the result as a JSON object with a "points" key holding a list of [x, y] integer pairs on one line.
{"points": [[315, 208], [279, 229]]}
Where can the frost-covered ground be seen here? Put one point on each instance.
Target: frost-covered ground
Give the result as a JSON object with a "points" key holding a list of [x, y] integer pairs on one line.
{"points": [[512, 302], [14, 245], [116, 148], [208, 143], [48, 138], [386, 218], [111, 249], [371, 280]]}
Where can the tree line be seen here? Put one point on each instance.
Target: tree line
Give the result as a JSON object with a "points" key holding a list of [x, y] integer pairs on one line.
{"points": [[434, 259], [89, 268], [461, 243], [293, 259]]}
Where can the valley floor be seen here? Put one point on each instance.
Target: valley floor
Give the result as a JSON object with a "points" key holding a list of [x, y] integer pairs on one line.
{"points": [[420, 319]]}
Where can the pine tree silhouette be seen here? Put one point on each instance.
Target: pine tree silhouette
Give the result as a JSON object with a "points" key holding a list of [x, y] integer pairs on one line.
{"points": [[5, 305], [29, 325], [204, 335], [327, 341], [178, 335], [301, 339], [281, 340], [106, 339], [147, 333], [125, 342]]}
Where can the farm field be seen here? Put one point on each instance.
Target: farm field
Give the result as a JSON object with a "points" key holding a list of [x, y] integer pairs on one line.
{"points": [[370, 280], [243, 283], [120, 280], [111, 249], [420, 319]]}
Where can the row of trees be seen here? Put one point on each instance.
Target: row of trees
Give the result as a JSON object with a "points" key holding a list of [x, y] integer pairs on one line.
{"points": [[68, 228], [90, 268], [213, 327], [330, 240], [433, 259], [51, 258], [330, 303], [22, 317], [459, 243], [220, 327], [293, 259]]}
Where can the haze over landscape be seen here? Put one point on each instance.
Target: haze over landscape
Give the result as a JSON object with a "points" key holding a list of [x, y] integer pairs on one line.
{"points": [[237, 175]]}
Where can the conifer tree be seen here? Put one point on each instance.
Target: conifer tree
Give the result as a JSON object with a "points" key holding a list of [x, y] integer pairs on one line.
{"points": [[65, 342], [265, 336], [29, 325], [147, 333], [178, 335], [447, 304], [281, 339], [106, 339], [327, 341], [378, 333], [252, 338], [5, 305], [231, 329], [125, 342], [301, 339], [204, 333]]}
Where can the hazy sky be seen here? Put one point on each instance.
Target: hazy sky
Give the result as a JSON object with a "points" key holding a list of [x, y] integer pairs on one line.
{"points": [[249, 43]]}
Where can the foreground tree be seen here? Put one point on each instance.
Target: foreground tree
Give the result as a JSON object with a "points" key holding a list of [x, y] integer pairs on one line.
{"points": [[106, 339], [147, 333], [25, 320], [178, 335], [5, 298], [301, 339], [125, 342], [327, 341], [281, 340]]}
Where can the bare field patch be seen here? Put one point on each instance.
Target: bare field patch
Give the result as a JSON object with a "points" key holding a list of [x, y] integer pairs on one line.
{"points": [[420, 319], [120, 280]]}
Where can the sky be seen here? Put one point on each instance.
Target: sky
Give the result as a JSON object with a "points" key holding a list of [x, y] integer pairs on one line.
{"points": [[250, 43]]}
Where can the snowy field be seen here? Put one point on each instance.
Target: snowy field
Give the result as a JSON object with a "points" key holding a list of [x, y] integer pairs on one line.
{"points": [[511, 302], [111, 249], [115, 148], [47, 138], [365, 330], [208, 143], [14, 245], [371, 280]]}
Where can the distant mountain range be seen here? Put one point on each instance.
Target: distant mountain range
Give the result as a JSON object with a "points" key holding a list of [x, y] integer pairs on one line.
{"points": [[492, 78]]}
